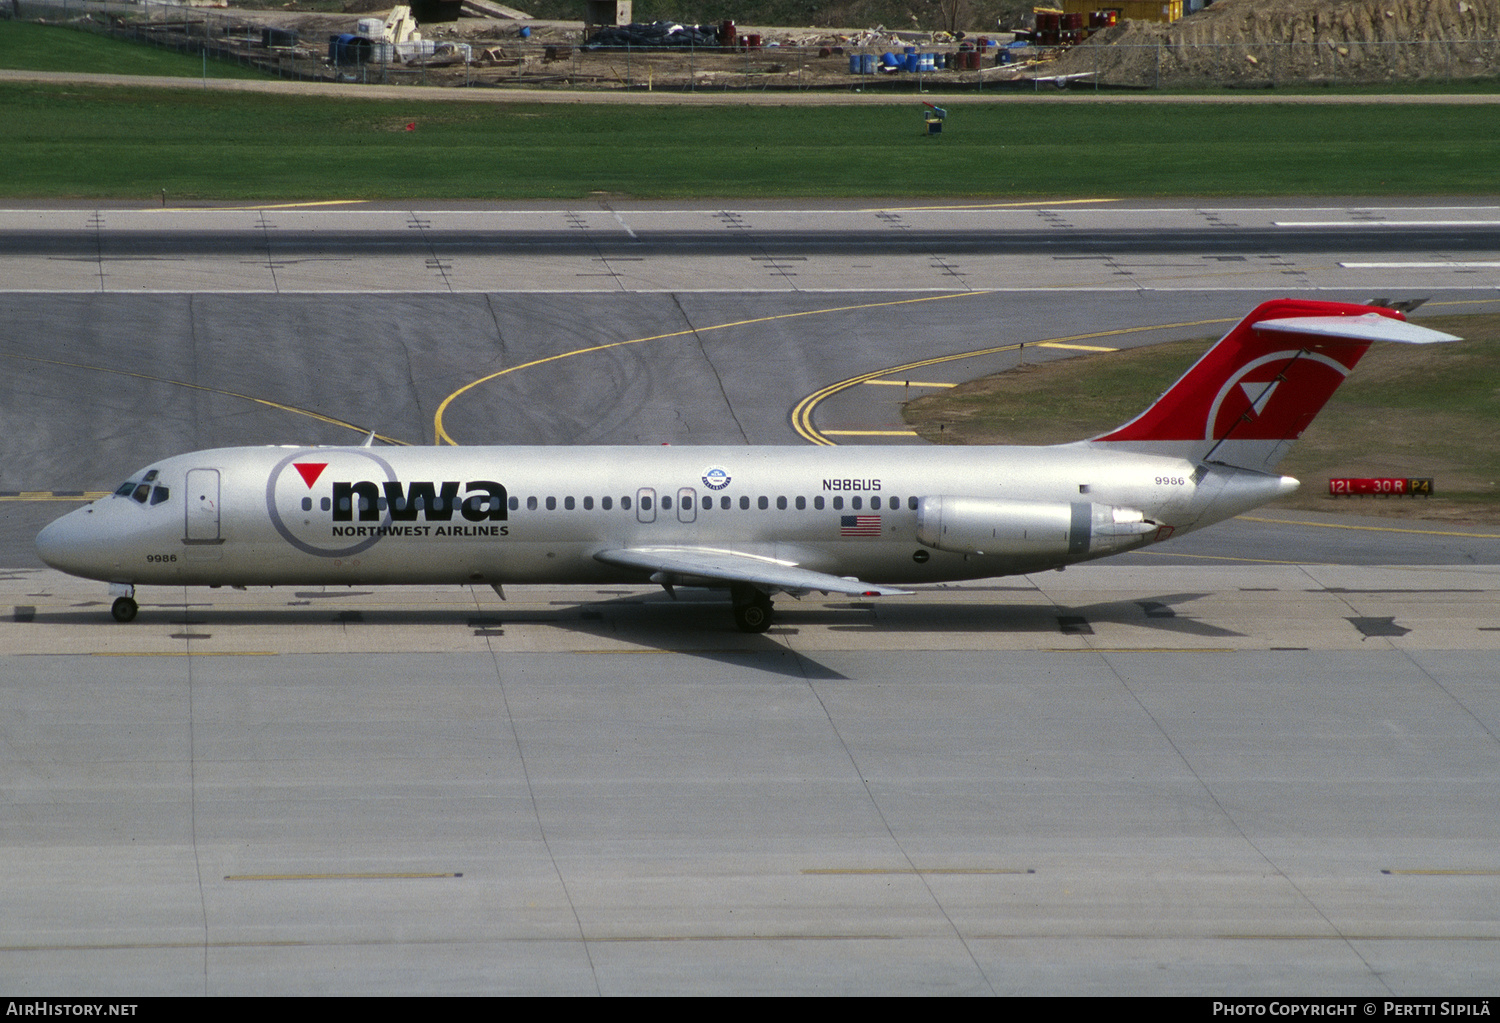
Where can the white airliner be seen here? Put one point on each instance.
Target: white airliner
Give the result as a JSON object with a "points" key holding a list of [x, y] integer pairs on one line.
{"points": [[753, 520]]}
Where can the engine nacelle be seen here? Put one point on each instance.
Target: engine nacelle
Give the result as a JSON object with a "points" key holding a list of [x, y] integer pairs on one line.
{"points": [[975, 525]]}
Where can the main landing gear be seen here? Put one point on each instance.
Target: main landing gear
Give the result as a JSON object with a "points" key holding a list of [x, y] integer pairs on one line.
{"points": [[752, 609]]}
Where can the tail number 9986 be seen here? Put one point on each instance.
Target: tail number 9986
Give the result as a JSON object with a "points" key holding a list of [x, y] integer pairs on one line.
{"points": [[1171, 481]]}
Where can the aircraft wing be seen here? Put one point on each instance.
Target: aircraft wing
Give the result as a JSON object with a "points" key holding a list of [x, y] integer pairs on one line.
{"points": [[685, 566]]}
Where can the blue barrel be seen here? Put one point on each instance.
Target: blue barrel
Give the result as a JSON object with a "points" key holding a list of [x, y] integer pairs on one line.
{"points": [[337, 44], [855, 64], [928, 62], [867, 63], [910, 64], [889, 59]]}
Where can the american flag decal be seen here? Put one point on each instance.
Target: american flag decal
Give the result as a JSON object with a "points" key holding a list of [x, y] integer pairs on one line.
{"points": [[859, 525]]}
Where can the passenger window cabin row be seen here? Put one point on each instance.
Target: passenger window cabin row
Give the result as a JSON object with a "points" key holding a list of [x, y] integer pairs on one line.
{"points": [[725, 503]]}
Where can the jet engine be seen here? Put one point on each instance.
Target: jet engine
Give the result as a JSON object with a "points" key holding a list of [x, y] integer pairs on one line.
{"points": [[1075, 530]]}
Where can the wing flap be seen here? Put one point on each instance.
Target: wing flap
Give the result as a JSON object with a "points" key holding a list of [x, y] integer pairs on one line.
{"points": [[690, 563]]}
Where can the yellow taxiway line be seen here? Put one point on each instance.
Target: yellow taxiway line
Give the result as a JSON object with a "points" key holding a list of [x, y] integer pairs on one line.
{"points": [[55, 495], [441, 435], [1370, 529], [802, 414], [908, 383], [280, 406], [251, 209]]}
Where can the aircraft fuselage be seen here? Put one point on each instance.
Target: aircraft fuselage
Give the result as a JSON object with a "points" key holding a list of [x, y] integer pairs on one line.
{"points": [[274, 515]]}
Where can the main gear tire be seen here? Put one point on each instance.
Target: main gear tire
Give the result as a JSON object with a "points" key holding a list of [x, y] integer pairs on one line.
{"points": [[754, 617]]}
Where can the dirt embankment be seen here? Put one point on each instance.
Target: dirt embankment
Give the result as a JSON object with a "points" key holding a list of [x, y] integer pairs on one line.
{"points": [[1263, 42]]}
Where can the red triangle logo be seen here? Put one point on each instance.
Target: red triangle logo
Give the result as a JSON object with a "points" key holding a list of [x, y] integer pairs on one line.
{"points": [[310, 471]]}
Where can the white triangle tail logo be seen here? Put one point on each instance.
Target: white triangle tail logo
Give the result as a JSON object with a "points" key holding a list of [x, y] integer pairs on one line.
{"points": [[1258, 394]]}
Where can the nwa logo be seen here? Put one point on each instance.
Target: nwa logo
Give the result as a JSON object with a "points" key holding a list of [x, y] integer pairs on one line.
{"points": [[338, 503], [482, 501]]}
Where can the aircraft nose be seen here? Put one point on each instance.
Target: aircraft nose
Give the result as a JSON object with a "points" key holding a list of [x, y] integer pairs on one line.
{"points": [[53, 542], [68, 543]]}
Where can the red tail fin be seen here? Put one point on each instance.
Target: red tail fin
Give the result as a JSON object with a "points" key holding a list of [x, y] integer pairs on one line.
{"points": [[1255, 391]]}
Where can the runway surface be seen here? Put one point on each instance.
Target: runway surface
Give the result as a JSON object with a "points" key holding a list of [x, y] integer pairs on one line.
{"points": [[823, 247], [1257, 760]]}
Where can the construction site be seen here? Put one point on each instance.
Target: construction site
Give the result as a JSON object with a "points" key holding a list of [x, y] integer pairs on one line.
{"points": [[1130, 44]]}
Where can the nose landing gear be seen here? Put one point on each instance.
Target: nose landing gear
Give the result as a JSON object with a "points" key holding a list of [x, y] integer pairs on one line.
{"points": [[125, 607]]}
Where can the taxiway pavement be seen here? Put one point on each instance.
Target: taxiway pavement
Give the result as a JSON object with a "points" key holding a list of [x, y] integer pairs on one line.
{"points": [[1258, 760]]}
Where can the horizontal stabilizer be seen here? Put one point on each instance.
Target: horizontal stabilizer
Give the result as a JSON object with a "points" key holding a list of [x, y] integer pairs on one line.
{"points": [[1371, 327], [684, 565], [1254, 393]]}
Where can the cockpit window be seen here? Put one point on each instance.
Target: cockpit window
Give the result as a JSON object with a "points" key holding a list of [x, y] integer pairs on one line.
{"points": [[145, 489]]}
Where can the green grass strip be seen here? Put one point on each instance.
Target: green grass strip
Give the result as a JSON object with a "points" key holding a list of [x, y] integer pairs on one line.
{"points": [[29, 47], [67, 141]]}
